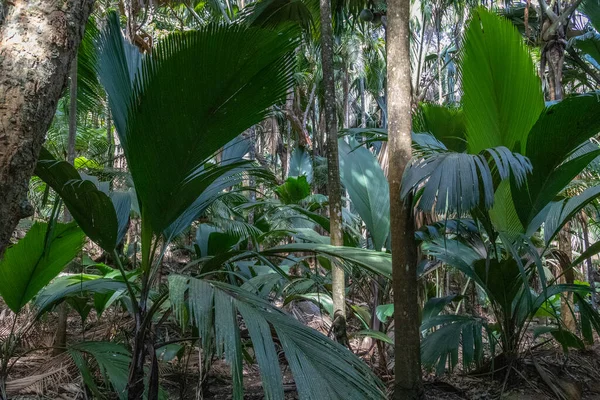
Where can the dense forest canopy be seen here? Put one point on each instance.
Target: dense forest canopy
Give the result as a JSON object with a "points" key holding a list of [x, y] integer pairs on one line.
{"points": [[297, 199]]}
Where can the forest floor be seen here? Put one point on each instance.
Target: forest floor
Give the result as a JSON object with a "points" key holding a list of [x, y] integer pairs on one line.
{"points": [[545, 373], [542, 375]]}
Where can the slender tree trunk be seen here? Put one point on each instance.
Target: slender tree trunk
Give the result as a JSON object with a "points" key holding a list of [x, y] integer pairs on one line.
{"points": [[60, 340], [109, 138], [438, 30], [346, 90], [363, 104], [553, 54], [407, 384], [333, 172], [566, 303], [417, 74], [38, 39], [72, 113]]}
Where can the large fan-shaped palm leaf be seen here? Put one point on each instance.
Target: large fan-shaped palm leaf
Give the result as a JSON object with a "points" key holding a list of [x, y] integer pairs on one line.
{"points": [[503, 109], [502, 94], [195, 93]]}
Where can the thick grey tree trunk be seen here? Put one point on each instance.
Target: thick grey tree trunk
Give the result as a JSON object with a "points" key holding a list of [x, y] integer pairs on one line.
{"points": [[334, 190], [407, 384], [38, 40]]}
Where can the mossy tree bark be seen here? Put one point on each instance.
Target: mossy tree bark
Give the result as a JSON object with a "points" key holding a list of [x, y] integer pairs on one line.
{"points": [[38, 40]]}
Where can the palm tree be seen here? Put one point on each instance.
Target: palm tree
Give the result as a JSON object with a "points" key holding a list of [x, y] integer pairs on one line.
{"points": [[534, 152], [174, 183]]}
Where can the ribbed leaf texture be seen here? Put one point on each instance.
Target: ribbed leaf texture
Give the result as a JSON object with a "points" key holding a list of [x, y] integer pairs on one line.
{"points": [[459, 182], [558, 133], [197, 91], [321, 368], [502, 93]]}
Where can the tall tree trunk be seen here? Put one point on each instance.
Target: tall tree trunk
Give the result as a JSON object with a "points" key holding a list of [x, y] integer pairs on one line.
{"points": [[110, 156], [333, 172], [363, 104], [72, 113], [438, 31], [566, 303], [589, 267], [60, 340], [346, 93], [407, 384], [38, 39]]}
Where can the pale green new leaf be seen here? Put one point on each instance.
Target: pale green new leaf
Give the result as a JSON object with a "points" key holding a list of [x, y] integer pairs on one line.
{"points": [[368, 189], [301, 164], [502, 93], [378, 335]]}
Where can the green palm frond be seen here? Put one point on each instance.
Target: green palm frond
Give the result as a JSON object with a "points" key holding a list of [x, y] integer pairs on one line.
{"points": [[591, 9], [301, 164], [502, 93], [444, 123], [118, 64], [90, 95], [460, 182], [321, 367], [559, 132], [277, 13], [560, 212], [206, 86], [105, 290], [374, 261], [589, 45], [441, 347], [90, 207], [367, 187], [112, 360]]}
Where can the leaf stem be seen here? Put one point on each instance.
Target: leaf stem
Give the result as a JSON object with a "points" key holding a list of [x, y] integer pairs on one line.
{"points": [[134, 302]]}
